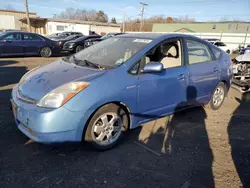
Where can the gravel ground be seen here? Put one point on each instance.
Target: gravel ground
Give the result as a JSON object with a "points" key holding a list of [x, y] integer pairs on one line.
{"points": [[195, 148]]}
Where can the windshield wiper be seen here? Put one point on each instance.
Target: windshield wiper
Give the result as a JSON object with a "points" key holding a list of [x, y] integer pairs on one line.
{"points": [[86, 62]]}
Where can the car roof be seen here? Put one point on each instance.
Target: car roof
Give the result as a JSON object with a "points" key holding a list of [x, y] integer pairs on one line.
{"points": [[24, 32], [153, 36]]}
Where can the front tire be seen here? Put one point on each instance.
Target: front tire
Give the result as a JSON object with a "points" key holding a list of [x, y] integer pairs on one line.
{"points": [[218, 97], [106, 127], [45, 52], [79, 48]]}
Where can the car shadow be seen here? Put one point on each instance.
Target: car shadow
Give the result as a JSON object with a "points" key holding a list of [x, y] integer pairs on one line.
{"points": [[181, 141], [239, 138], [7, 62]]}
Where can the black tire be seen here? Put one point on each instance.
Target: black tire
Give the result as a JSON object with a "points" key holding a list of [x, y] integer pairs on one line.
{"points": [[90, 135], [211, 104], [45, 52], [79, 48]]}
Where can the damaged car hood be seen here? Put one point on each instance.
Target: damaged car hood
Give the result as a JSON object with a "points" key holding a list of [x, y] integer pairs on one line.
{"points": [[244, 57], [40, 81]]}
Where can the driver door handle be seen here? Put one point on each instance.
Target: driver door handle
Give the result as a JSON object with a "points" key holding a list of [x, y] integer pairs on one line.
{"points": [[181, 77]]}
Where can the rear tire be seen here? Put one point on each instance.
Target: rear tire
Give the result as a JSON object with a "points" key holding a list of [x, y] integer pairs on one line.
{"points": [[45, 52], [107, 126], [218, 97], [79, 48]]}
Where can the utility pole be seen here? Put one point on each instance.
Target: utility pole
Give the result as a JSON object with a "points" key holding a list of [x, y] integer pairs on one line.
{"points": [[142, 14], [27, 14], [124, 19], [245, 39]]}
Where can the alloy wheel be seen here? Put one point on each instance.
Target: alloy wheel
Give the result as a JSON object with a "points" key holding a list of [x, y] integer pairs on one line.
{"points": [[218, 96], [106, 129]]}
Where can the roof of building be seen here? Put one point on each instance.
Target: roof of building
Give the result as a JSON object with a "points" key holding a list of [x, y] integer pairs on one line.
{"points": [[82, 22], [16, 11], [70, 21], [24, 19]]}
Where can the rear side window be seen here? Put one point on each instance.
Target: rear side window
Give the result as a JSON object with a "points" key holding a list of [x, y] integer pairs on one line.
{"points": [[216, 52], [198, 52], [31, 37]]}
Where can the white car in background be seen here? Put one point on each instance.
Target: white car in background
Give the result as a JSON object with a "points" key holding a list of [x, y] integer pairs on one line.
{"points": [[219, 44], [222, 46]]}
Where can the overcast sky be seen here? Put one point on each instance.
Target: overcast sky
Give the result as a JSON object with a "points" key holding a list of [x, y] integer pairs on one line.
{"points": [[201, 10]]}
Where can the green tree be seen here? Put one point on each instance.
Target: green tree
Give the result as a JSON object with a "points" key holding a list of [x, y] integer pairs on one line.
{"points": [[113, 21]]}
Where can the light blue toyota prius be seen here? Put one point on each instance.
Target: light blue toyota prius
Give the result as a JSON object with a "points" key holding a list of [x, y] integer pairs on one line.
{"points": [[102, 91]]}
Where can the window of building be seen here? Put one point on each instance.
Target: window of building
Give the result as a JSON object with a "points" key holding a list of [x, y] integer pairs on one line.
{"points": [[214, 26], [198, 52], [229, 26], [60, 28]]}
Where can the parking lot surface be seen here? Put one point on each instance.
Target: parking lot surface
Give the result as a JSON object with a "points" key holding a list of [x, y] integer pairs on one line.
{"points": [[195, 148]]}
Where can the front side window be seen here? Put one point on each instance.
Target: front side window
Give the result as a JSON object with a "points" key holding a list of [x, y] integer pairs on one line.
{"points": [[220, 44], [168, 53], [198, 52], [13, 37], [112, 52], [31, 37]]}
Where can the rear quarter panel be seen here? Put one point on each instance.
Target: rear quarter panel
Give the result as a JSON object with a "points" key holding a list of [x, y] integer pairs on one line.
{"points": [[226, 68]]}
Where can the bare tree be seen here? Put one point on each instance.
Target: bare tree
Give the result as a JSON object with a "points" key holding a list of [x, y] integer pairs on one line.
{"points": [[184, 19], [82, 14]]}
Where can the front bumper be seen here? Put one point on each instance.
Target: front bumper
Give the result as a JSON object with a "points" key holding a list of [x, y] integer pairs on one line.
{"points": [[48, 125], [68, 48]]}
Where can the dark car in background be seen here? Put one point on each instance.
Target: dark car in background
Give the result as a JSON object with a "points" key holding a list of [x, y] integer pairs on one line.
{"points": [[64, 35], [60, 42], [25, 43], [78, 44], [94, 41], [245, 50]]}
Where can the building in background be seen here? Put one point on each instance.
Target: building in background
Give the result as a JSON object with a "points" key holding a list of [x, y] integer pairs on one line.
{"points": [[232, 34], [203, 27], [46, 26], [9, 19]]}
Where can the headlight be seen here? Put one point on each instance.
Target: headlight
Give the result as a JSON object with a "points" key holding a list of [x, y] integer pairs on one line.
{"points": [[62, 94]]}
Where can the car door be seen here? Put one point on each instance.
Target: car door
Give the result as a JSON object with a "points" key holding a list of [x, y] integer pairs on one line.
{"points": [[204, 72], [12, 44], [164, 92], [32, 43]]}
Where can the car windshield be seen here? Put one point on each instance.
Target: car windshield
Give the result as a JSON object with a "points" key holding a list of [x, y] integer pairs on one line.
{"points": [[112, 52], [106, 37]]}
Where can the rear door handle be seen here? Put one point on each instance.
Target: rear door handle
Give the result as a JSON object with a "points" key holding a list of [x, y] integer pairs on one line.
{"points": [[216, 69], [181, 77]]}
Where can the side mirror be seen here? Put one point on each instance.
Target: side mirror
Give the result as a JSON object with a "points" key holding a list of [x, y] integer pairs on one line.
{"points": [[153, 67]]}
